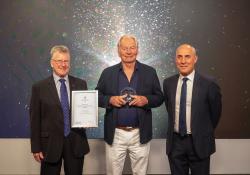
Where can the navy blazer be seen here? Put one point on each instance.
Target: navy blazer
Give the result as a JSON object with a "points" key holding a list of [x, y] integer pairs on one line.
{"points": [[148, 85], [47, 123], [205, 112]]}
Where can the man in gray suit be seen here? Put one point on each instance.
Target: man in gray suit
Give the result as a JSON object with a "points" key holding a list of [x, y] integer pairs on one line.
{"points": [[52, 138], [194, 107]]}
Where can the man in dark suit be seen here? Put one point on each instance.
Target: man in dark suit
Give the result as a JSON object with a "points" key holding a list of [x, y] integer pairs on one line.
{"points": [[128, 91], [194, 107], [52, 138]]}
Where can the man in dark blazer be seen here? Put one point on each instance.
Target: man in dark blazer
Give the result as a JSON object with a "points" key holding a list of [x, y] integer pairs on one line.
{"points": [[194, 107], [128, 91], [52, 138]]}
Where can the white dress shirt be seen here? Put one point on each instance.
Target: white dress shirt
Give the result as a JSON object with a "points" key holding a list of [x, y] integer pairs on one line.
{"points": [[58, 85], [190, 82]]}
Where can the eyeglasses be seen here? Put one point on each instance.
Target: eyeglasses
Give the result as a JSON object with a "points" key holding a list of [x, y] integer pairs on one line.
{"points": [[61, 61], [128, 48]]}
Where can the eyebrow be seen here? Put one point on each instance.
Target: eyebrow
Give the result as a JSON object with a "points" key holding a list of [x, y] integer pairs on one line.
{"points": [[180, 55]]}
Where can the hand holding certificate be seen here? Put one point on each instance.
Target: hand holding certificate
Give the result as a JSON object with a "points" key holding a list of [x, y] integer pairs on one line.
{"points": [[84, 109]]}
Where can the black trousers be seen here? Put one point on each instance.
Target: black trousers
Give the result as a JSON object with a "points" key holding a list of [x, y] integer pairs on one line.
{"points": [[183, 157], [72, 165]]}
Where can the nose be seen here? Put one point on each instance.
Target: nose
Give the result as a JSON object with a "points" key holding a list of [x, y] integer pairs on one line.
{"points": [[64, 63], [128, 51], [183, 60]]}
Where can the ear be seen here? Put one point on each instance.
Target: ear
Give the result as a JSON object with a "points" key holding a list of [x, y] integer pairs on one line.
{"points": [[118, 50], [51, 65], [196, 59]]}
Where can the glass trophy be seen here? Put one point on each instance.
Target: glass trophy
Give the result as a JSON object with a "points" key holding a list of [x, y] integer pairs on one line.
{"points": [[128, 91]]}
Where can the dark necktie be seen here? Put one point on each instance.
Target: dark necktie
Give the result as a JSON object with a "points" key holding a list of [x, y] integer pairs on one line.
{"points": [[65, 106], [182, 113]]}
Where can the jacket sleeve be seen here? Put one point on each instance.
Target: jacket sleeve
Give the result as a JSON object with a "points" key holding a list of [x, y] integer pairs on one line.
{"points": [[215, 103], [103, 99], [155, 99], [35, 118], [165, 93]]}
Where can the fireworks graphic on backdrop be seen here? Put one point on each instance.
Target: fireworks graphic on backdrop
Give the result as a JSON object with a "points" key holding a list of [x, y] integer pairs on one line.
{"points": [[100, 24], [91, 29]]}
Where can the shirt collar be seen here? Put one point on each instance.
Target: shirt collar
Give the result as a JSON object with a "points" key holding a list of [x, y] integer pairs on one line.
{"points": [[57, 78], [136, 66], [190, 76]]}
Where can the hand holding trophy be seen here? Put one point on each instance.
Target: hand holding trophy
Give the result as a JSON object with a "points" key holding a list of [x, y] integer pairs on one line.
{"points": [[129, 92]]}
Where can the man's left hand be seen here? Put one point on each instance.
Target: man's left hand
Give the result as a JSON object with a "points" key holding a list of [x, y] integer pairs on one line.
{"points": [[138, 101]]}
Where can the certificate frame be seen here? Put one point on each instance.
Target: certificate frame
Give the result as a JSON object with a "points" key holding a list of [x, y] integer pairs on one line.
{"points": [[84, 109]]}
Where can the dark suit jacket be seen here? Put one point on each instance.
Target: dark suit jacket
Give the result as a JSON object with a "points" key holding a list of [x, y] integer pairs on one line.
{"points": [[205, 112], [148, 85], [47, 123]]}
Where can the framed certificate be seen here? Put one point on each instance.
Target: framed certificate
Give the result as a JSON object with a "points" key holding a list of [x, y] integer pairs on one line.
{"points": [[84, 107]]}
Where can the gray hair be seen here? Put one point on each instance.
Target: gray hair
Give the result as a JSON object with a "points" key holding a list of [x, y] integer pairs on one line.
{"points": [[59, 48], [128, 36], [189, 46]]}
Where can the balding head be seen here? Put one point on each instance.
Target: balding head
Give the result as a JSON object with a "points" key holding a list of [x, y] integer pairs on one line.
{"points": [[187, 46], [185, 59]]}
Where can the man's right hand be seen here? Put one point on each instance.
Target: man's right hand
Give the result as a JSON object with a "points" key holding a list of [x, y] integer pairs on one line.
{"points": [[38, 156], [117, 101]]}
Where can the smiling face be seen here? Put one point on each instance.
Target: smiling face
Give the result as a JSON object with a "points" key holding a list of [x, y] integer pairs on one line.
{"points": [[127, 49], [185, 59], [60, 63]]}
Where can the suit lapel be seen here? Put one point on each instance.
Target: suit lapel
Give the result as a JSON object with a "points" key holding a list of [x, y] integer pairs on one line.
{"points": [[173, 91], [140, 80], [53, 90], [115, 77], [72, 86], [113, 80], [139, 87], [195, 95]]}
